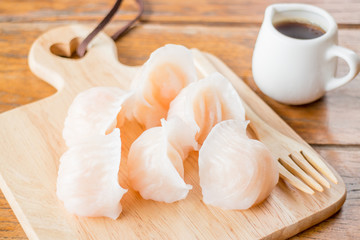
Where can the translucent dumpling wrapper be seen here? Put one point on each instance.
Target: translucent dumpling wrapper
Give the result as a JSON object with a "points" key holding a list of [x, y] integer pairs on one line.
{"points": [[204, 103], [235, 172], [168, 70], [155, 162], [88, 177], [94, 112], [88, 173]]}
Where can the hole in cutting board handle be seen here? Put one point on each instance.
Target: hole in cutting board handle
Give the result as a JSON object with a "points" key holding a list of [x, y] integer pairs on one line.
{"points": [[66, 50]]}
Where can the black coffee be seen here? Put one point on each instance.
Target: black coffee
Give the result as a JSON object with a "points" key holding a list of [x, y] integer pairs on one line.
{"points": [[299, 30]]}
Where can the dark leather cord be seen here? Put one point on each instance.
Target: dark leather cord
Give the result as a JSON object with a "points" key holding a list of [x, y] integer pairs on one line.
{"points": [[81, 49], [124, 29]]}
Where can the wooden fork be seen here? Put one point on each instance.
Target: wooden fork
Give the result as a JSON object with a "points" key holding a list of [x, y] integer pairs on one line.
{"points": [[298, 163]]}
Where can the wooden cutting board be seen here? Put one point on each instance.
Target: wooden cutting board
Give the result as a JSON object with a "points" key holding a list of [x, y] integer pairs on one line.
{"points": [[31, 145]]}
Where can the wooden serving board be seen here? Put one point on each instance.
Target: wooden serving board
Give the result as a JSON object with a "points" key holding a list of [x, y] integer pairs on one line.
{"points": [[31, 145]]}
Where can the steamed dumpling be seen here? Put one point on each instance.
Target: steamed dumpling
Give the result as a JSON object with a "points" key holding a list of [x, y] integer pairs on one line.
{"points": [[88, 177], [235, 172], [168, 70], [204, 103], [87, 180], [94, 112], [155, 162]]}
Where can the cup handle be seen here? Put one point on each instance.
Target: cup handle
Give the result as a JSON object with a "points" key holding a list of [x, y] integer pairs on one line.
{"points": [[351, 58]]}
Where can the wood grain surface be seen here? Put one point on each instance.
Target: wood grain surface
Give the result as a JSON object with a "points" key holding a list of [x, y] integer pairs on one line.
{"points": [[342, 225], [32, 149], [331, 124], [199, 11], [321, 122]]}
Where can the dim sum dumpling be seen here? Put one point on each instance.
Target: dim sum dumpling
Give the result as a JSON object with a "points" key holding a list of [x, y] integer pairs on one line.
{"points": [[168, 70], [87, 180], [155, 162], [235, 172], [204, 103]]}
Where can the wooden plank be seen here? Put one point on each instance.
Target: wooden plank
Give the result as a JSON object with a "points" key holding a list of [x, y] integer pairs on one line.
{"points": [[201, 11], [31, 149], [342, 225], [321, 122], [337, 226], [18, 86], [10, 228]]}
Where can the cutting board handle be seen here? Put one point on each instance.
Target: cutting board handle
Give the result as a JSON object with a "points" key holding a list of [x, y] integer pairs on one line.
{"points": [[68, 73]]}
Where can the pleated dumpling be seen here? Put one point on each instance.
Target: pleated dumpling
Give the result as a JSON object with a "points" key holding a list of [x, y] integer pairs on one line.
{"points": [[204, 103], [235, 172], [88, 177], [168, 70], [155, 162], [87, 180], [94, 112]]}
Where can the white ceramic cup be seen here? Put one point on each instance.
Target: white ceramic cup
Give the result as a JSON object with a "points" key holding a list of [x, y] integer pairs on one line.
{"points": [[296, 71]]}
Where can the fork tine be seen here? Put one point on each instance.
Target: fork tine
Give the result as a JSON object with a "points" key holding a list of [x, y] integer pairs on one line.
{"points": [[316, 161], [307, 167], [290, 178], [291, 166]]}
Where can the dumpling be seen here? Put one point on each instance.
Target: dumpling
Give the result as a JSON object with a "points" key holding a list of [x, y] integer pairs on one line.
{"points": [[235, 172], [168, 70], [94, 112], [88, 173], [155, 162], [88, 177], [204, 103]]}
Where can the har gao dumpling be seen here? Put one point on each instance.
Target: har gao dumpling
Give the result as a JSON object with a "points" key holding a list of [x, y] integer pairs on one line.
{"points": [[235, 172], [87, 180], [205, 103], [168, 70], [155, 162], [88, 177], [94, 112]]}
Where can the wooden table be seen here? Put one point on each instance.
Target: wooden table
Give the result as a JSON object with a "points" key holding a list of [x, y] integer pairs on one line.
{"points": [[227, 29]]}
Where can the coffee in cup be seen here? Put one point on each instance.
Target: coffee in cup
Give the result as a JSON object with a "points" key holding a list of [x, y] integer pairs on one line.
{"points": [[295, 55]]}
